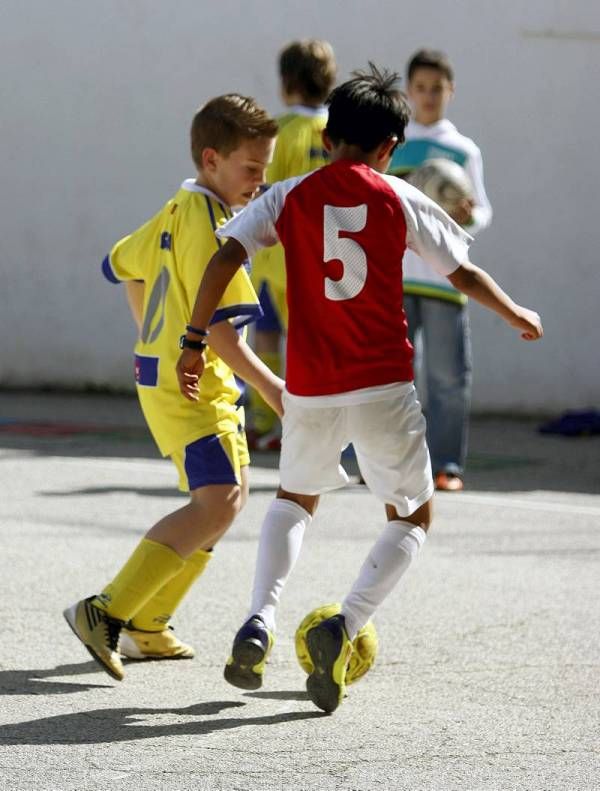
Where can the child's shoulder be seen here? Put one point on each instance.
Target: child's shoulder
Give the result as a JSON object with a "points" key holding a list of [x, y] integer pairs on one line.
{"points": [[450, 132], [441, 139], [299, 116]]}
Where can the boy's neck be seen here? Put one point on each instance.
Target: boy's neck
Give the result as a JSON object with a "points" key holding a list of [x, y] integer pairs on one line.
{"points": [[203, 181], [428, 120], [355, 154], [297, 100]]}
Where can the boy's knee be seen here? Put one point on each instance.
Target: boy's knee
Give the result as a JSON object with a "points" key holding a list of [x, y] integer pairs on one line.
{"points": [[422, 517], [220, 509], [307, 501]]}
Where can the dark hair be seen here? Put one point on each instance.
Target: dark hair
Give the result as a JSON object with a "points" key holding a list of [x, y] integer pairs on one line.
{"points": [[367, 110], [225, 122], [308, 68], [430, 59]]}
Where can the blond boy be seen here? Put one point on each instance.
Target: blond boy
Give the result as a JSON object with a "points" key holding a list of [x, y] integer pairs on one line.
{"points": [[162, 262]]}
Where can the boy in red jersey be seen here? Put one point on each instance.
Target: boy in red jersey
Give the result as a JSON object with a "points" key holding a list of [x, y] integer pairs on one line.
{"points": [[345, 229]]}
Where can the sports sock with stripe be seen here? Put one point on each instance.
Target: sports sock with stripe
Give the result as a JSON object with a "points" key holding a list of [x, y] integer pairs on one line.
{"points": [[150, 566], [156, 613]]}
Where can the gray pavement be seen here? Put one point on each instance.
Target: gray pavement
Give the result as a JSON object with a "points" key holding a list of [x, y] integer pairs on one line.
{"points": [[487, 676]]}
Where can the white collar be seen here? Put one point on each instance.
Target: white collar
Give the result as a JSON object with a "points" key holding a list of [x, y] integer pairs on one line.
{"points": [[310, 112], [443, 125], [190, 185]]}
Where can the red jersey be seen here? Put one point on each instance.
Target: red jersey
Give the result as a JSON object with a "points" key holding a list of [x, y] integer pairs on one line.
{"points": [[345, 229]]}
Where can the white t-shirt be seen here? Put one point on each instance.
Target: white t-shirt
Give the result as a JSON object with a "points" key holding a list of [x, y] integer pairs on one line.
{"points": [[441, 140]]}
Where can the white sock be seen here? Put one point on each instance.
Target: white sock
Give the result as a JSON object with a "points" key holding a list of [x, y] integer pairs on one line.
{"points": [[388, 560], [278, 549]]}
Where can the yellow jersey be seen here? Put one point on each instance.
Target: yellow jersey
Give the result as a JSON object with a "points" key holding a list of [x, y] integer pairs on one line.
{"points": [[298, 150], [170, 254]]}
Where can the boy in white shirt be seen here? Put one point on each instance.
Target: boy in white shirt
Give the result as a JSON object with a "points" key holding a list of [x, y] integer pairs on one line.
{"points": [[434, 309]]}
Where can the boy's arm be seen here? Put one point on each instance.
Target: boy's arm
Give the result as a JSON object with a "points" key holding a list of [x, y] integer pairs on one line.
{"points": [[219, 273], [232, 349], [476, 283], [225, 341], [135, 298]]}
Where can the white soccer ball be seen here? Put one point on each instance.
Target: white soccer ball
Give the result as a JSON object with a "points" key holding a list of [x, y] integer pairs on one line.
{"points": [[444, 181]]}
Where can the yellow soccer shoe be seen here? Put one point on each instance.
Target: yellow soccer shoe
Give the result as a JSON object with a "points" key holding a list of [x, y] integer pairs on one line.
{"points": [[138, 644], [99, 633]]}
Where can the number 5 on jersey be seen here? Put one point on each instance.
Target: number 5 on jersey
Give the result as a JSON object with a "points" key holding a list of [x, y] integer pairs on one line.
{"points": [[348, 251]]}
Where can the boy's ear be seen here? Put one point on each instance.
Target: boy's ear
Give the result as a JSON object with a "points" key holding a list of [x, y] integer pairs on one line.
{"points": [[209, 159], [386, 149], [327, 144]]}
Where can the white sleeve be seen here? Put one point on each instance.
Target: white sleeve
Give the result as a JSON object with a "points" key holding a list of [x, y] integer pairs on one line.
{"points": [[430, 232], [482, 211], [254, 226]]}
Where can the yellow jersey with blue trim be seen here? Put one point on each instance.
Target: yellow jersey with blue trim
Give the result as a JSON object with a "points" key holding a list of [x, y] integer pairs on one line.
{"points": [[169, 254], [298, 150]]}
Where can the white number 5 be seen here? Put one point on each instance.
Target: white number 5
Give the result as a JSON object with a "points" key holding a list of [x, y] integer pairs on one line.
{"points": [[349, 252]]}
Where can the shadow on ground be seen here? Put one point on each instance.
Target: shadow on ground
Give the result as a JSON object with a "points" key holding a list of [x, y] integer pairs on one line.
{"points": [[36, 682], [99, 726]]}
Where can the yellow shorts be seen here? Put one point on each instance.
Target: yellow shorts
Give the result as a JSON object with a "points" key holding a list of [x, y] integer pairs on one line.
{"points": [[214, 459]]}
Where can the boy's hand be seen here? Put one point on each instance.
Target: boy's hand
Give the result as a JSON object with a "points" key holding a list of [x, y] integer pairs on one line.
{"points": [[272, 395], [463, 212], [529, 322], [189, 370]]}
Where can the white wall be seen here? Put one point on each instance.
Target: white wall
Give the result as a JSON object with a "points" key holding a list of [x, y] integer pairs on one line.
{"points": [[96, 102]]}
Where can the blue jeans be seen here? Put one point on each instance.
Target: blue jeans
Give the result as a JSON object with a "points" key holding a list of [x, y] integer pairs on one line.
{"points": [[446, 373]]}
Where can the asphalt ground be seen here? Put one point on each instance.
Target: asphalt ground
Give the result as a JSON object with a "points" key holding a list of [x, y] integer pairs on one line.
{"points": [[487, 674]]}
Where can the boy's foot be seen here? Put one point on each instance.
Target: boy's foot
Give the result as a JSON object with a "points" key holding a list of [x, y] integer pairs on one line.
{"points": [[251, 648], [448, 482], [99, 633], [330, 649], [137, 644]]}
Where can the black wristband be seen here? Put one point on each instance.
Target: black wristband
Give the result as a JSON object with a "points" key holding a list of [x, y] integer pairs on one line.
{"points": [[197, 346], [197, 331]]}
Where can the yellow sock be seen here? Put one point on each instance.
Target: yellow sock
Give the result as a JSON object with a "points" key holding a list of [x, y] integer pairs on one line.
{"points": [[149, 567], [262, 416], [155, 614]]}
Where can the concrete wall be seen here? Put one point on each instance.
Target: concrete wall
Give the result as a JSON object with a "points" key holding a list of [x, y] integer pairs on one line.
{"points": [[96, 104]]}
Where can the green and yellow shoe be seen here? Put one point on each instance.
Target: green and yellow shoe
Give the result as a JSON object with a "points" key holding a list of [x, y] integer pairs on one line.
{"points": [[249, 654], [330, 650]]}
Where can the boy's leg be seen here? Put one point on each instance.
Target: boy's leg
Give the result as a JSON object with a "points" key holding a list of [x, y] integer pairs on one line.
{"points": [[98, 621], [162, 554], [448, 370], [389, 438], [279, 547], [312, 442], [388, 560], [330, 643], [148, 634]]}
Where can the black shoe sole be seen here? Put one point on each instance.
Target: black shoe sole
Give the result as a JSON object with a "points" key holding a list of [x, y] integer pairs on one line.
{"points": [[239, 673], [94, 656], [324, 651]]}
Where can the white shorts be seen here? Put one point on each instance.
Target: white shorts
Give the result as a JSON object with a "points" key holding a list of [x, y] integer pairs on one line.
{"points": [[388, 435]]}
